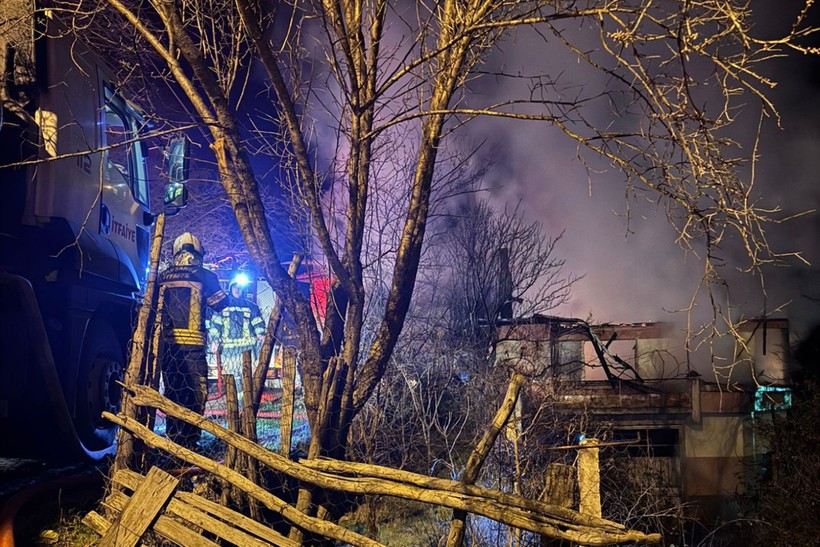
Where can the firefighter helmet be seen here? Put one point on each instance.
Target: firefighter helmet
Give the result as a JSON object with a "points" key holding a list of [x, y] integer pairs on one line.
{"points": [[188, 242]]}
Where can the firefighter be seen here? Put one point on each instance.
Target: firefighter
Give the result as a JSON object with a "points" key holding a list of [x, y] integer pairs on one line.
{"points": [[187, 289], [238, 328]]}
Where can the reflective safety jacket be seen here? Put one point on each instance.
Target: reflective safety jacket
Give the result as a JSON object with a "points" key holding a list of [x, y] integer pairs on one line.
{"points": [[237, 325], [185, 292]]}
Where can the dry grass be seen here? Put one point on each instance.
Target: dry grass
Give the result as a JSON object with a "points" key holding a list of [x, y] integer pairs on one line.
{"points": [[399, 523], [55, 518]]}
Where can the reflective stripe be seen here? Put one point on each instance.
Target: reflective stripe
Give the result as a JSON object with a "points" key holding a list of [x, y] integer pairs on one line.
{"points": [[239, 343], [187, 337], [215, 298], [195, 319], [258, 326]]}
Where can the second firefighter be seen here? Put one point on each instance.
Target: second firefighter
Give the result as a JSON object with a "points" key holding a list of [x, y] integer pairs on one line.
{"points": [[237, 328]]}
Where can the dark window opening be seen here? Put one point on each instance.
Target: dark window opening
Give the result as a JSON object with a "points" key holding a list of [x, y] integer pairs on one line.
{"points": [[649, 442]]}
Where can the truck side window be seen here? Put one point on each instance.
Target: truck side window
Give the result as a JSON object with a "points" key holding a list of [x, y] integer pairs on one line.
{"points": [[139, 159], [124, 160], [115, 168]]}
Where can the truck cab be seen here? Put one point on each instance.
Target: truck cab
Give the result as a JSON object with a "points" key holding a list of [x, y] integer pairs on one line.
{"points": [[75, 228]]}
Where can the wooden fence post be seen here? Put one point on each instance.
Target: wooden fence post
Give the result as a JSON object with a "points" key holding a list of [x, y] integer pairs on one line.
{"points": [[288, 388], [589, 479]]}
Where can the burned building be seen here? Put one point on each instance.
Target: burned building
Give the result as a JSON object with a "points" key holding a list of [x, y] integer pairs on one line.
{"points": [[686, 427]]}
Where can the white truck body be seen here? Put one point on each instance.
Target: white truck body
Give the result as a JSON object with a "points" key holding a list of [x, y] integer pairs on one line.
{"points": [[74, 238]]}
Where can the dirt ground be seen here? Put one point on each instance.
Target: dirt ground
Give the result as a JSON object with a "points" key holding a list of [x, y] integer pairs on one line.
{"points": [[45, 505]]}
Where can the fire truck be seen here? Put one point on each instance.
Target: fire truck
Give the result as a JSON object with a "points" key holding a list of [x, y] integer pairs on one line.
{"points": [[75, 232]]}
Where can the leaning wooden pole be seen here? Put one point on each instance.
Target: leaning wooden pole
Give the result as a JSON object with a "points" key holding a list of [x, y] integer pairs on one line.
{"points": [[480, 452], [153, 370], [135, 372]]}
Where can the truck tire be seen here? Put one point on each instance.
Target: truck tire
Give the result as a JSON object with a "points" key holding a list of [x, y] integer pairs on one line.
{"points": [[101, 367]]}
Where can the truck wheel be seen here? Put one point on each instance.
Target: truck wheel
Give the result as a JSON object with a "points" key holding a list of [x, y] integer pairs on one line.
{"points": [[101, 367]]}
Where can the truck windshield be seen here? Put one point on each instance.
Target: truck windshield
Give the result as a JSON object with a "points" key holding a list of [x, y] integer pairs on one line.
{"points": [[124, 160]]}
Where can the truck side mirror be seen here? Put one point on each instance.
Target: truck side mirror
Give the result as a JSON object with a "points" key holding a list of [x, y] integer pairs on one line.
{"points": [[176, 152]]}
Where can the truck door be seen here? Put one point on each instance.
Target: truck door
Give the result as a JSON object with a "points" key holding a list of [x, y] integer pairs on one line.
{"points": [[125, 194]]}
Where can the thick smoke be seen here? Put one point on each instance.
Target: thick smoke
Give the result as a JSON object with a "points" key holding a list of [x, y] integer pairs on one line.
{"points": [[634, 271]]}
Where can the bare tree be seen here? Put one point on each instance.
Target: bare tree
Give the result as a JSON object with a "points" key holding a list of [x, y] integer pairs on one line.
{"points": [[346, 80], [497, 263], [438, 397]]}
